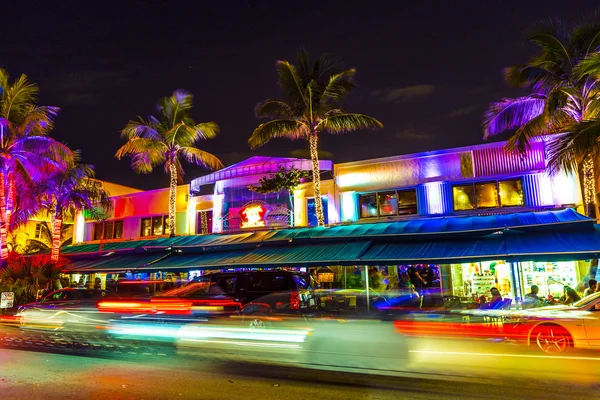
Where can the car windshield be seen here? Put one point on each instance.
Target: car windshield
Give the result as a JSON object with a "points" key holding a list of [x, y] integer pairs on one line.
{"points": [[586, 300]]}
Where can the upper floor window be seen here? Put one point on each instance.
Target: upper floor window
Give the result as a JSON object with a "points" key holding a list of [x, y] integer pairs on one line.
{"points": [[108, 230], [155, 226], [482, 195], [382, 204]]}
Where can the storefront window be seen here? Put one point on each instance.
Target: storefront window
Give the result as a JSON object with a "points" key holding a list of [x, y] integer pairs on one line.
{"points": [[550, 277], [166, 226], [388, 203], [487, 195], [511, 193], [368, 205], [476, 279], [146, 227], [464, 197], [407, 202]]}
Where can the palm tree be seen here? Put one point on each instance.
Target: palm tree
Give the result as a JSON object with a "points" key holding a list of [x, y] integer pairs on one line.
{"points": [[27, 154], [168, 139], [68, 192], [564, 95], [313, 92], [25, 275]]}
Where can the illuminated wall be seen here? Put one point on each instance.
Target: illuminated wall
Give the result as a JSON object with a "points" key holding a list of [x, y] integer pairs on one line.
{"points": [[434, 198]]}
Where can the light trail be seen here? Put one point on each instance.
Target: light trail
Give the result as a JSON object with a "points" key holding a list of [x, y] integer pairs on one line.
{"points": [[460, 353]]}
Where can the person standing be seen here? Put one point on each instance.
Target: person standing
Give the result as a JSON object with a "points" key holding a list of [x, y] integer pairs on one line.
{"points": [[415, 278]]}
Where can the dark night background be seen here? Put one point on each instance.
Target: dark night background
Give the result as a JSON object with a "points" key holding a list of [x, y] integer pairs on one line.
{"points": [[427, 70]]}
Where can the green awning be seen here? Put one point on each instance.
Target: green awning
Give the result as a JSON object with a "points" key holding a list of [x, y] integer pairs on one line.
{"points": [[113, 263], [280, 256]]}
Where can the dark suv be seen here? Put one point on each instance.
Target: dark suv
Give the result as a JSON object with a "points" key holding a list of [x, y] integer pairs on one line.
{"points": [[254, 292]]}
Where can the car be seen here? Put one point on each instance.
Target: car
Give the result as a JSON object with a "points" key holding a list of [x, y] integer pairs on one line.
{"points": [[70, 309], [557, 329]]}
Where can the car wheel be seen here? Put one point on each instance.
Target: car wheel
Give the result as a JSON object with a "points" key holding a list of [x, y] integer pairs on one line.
{"points": [[551, 339]]}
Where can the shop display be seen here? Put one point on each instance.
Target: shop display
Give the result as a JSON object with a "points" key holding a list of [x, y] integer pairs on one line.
{"points": [[551, 278]]}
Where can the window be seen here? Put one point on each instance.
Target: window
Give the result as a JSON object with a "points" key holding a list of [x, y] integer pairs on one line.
{"points": [[311, 212], [464, 197], [109, 227], [368, 205], [383, 204], [204, 222], [481, 195], [158, 227], [511, 193], [267, 282], [155, 226], [38, 231], [118, 229], [407, 202], [387, 203], [224, 284], [146, 227], [98, 230], [487, 195], [108, 230]]}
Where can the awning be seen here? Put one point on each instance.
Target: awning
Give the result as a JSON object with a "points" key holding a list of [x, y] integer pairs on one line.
{"points": [[481, 225], [113, 263], [336, 253], [512, 246], [195, 261]]}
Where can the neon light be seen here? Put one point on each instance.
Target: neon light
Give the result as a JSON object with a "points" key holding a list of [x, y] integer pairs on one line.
{"points": [[218, 212], [253, 216], [349, 206], [79, 228], [433, 192]]}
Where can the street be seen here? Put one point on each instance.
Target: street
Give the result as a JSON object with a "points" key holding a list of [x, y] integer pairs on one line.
{"points": [[43, 375]]}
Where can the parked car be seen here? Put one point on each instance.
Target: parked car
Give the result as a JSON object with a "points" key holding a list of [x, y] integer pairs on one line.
{"points": [[556, 329]]}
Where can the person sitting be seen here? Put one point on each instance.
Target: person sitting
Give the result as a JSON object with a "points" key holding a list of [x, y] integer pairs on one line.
{"points": [[532, 299], [571, 296], [592, 288], [534, 293], [496, 301]]}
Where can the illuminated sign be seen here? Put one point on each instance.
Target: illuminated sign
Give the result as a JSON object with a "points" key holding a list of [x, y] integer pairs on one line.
{"points": [[253, 216]]}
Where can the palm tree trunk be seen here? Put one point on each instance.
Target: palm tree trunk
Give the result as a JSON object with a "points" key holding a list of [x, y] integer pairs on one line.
{"points": [[314, 156], [172, 198], [56, 226], [3, 223], [589, 186]]}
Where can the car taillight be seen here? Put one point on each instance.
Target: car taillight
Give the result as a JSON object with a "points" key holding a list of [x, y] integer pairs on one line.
{"points": [[294, 300]]}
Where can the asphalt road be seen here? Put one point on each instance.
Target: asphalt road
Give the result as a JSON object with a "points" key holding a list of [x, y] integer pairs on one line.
{"points": [[41, 375]]}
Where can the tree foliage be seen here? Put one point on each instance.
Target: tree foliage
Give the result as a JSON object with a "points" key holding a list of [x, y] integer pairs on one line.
{"points": [[282, 179], [564, 94]]}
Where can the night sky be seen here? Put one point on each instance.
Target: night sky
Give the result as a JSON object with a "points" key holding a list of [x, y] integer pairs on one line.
{"points": [[427, 70]]}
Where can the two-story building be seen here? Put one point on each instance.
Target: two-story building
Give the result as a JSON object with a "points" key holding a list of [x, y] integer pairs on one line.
{"points": [[443, 186]]}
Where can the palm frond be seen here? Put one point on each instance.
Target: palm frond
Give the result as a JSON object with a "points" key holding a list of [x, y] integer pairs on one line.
{"points": [[196, 156], [291, 83], [589, 66], [142, 129], [144, 162], [18, 98], [140, 145], [176, 107], [343, 123], [278, 128], [339, 86], [272, 108], [567, 151], [511, 114], [203, 130]]}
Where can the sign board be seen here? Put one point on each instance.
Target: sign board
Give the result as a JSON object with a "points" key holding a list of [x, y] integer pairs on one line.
{"points": [[7, 300], [253, 216]]}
